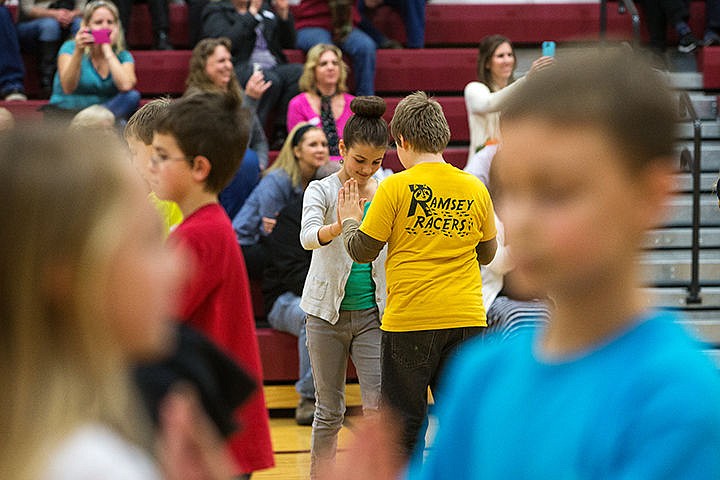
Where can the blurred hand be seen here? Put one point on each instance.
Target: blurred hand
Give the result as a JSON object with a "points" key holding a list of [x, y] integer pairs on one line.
{"points": [[373, 3], [268, 224], [282, 8], [256, 85], [83, 38], [64, 17], [540, 63], [255, 6]]}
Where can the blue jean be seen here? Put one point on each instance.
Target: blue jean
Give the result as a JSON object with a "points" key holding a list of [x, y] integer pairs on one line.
{"points": [[358, 45], [413, 15], [44, 29], [12, 70], [357, 335], [287, 316], [412, 362], [123, 104]]}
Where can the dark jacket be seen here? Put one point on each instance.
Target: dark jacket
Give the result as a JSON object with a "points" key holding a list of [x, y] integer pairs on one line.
{"points": [[288, 262], [221, 19]]}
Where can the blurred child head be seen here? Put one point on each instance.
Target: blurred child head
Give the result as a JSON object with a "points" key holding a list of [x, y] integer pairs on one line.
{"points": [[7, 121], [420, 122], [365, 138], [139, 134], [208, 133], [585, 169], [306, 144], [86, 287], [93, 117]]}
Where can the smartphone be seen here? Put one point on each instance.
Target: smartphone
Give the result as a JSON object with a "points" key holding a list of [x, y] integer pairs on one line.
{"points": [[548, 49], [257, 67], [102, 35]]}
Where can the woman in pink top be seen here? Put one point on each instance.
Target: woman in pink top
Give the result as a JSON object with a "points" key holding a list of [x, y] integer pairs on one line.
{"points": [[324, 101]]}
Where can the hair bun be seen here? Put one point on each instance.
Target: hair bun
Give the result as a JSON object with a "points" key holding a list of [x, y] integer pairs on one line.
{"points": [[369, 106]]}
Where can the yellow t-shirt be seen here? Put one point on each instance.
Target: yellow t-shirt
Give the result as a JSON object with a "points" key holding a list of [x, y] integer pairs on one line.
{"points": [[169, 211], [432, 216]]}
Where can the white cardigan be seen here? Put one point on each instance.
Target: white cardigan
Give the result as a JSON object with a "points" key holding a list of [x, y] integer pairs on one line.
{"points": [[330, 266]]}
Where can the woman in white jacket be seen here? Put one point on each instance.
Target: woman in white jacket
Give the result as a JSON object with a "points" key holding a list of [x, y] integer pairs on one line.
{"points": [[343, 300]]}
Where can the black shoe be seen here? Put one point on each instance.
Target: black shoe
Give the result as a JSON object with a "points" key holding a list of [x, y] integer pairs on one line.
{"points": [[162, 42], [687, 43]]}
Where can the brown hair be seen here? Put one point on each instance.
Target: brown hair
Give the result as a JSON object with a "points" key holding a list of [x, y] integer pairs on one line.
{"points": [[198, 79], [210, 125], [142, 123], [307, 79], [366, 125], [486, 50], [611, 89], [421, 122]]}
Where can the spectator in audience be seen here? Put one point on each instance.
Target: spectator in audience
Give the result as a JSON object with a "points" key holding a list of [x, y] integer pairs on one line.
{"points": [[81, 299], [211, 71], [159, 16], [344, 300], [138, 134], [506, 313], [258, 35], [12, 69], [7, 121], [95, 68], [412, 13], [440, 221], [336, 21], [198, 144], [42, 26], [324, 100], [676, 13], [283, 281], [304, 152], [484, 98]]}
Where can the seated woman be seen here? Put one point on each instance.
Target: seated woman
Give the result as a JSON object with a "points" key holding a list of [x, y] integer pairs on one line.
{"points": [[95, 68], [304, 152], [324, 101], [211, 70]]}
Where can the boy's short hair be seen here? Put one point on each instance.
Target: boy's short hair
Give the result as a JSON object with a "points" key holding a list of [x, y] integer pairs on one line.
{"points": [[421, 122], [142, 123], [211, 125], [612, 89], [94, 116]]}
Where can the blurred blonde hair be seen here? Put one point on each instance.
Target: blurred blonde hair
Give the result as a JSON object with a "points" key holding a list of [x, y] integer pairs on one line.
{"points": [[94, 116], [65, 196], [286, 159], [308, 82]]}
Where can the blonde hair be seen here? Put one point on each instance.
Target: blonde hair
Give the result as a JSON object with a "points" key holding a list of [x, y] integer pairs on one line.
{"points": [[421, 122], [119, 44], [198, 79], [64, 194], [286, 159], [308, 82], [94, 116]]}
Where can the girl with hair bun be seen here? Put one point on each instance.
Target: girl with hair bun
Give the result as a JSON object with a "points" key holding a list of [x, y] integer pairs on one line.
{"points": [[343, 300]]}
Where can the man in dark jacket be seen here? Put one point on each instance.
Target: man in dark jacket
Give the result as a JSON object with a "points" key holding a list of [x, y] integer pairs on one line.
{"points": [[258, 35], [283, 281]]}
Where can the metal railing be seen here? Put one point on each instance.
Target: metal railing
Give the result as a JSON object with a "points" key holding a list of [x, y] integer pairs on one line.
{"points": [[623, 7], [693, 163]]}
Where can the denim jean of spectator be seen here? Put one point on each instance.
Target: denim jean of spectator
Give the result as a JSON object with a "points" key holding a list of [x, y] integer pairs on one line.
{"points": [[413, 15], [357, 333], [12, 69], [123, 104], [412, 361], [287, 316], [358, 45], [44, 29]]}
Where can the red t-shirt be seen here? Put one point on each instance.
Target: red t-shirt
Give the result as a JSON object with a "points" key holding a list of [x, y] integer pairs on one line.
{"points": [[217, 302]]}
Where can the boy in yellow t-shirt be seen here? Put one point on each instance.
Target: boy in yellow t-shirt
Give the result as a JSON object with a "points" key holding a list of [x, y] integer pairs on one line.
{"points": [[439, 225], [138, 135]]}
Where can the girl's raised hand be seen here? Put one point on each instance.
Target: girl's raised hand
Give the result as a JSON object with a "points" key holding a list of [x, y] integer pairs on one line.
{"points": [[350, 205]]}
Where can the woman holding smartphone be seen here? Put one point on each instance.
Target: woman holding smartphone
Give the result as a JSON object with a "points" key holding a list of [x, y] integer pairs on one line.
{"points": [[95, 68]]}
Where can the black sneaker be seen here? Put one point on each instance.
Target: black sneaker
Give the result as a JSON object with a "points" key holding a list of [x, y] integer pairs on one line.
{"points": [[711, 39], [687, 43], [305, 412]]}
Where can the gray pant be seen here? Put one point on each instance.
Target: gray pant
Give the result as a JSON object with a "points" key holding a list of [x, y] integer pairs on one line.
{"points": [[356, 334], [287, 316]]}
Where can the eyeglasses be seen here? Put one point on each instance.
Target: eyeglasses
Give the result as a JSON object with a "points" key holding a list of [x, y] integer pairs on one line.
{"points": [[156, 160]]}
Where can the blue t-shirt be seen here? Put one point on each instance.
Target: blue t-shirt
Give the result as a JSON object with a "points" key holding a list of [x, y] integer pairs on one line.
{"points": [[644, 405], [92, 89]]}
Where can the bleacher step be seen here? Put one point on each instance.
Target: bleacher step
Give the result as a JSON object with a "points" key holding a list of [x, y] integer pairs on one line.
{"points": [[667, 267], [682, 238], [680, 214], [675, 297]]}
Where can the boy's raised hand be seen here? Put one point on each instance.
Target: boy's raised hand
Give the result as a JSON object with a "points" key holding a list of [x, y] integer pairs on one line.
{"points": [[350, 205]]}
